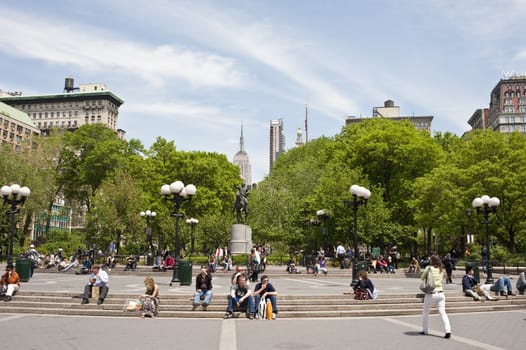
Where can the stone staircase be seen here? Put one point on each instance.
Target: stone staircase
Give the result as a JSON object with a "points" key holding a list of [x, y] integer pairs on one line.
{"points": [[305, 306]]}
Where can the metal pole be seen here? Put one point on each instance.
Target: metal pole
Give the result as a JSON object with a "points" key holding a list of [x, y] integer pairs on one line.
{"points": [[489, 275], [177, 244], [11, 214], [355, 253]]}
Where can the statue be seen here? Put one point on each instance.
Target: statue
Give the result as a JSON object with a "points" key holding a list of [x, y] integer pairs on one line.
{"points": [[241, 203]]}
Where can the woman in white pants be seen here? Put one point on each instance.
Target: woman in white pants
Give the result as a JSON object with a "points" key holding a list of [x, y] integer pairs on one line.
{"points": [[436, 297]]}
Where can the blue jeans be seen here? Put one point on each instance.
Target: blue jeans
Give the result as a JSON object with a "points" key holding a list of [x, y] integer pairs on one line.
{"points": [[248, 303], [499, 284], [272, 301], [207, 294]]}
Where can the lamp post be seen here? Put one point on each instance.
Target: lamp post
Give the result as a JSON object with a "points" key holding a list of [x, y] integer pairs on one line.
{"points": [[360, 195], [192, 222], [14, 196], [177, 193], [486, 205], [322, 217], [149, 215]]}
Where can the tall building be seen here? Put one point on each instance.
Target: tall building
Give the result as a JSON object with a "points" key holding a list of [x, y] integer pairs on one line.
{"points": [[299, 137], [507, 107], [76, 106], [16, 127], [479, 119], [390, 111], [242, 160], [277, 141]]}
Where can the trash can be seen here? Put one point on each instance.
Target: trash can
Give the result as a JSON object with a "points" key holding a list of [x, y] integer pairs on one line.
{"points": [[23, 268], [361, 265], [185, 272], [149, 259], [476, 270]]}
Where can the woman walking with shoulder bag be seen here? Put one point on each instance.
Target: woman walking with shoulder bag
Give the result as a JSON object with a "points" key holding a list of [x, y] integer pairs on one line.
{"points": [[435, 297]]}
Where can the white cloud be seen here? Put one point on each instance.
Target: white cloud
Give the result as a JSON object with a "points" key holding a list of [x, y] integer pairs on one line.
{"points": [[90, 48]]}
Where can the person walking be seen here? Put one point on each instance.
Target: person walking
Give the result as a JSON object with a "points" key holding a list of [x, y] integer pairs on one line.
{"points": [[435, 297]]}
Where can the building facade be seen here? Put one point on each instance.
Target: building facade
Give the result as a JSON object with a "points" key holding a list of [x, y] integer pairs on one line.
{"points": [[16, 128], [479, 119], [507, 108], [87, 104], [277, 141], [390, 111], [59, 219], [242, 160]]}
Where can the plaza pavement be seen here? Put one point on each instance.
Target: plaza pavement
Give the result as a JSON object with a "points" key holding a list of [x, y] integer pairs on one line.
{"points": [[486, 330]]}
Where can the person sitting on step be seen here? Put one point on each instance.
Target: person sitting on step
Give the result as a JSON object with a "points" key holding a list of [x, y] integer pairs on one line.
{"points": [[203, 289], [240, 297], [98, 278], [381, 264], [521, 282], [364, 289], [472, 288], [503, 286], [10, 283], [266, 291]]}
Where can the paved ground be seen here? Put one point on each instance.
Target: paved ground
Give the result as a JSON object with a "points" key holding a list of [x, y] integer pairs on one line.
{"points": [[495, 330], [491, 331]]}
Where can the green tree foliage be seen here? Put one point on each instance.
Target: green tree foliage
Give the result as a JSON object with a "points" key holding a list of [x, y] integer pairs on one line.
{"points": [[482, 163], [91, 154], [115, 215]]}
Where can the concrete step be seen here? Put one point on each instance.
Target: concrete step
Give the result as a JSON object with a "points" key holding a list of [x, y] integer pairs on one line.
{"points": [[179, 306]]}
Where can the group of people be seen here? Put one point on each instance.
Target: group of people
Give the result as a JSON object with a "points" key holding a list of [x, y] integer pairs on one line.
{"points": [[241, 297]]}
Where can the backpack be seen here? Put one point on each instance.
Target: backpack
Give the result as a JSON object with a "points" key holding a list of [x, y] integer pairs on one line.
{"points": [[428, 284]]}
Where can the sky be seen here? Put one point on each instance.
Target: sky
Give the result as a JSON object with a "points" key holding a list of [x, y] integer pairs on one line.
{"points": [[195, 71]]}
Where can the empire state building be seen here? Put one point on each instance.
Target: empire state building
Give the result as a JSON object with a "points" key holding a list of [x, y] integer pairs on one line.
{"points": [[242, 161]]}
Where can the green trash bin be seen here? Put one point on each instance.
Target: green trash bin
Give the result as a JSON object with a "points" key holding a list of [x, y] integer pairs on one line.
{"points": [[149, 259], [185, 272], [361, 265], [23, 268], [476, 270]]}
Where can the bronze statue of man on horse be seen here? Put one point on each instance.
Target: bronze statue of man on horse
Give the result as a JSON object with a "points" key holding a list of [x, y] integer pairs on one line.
{"points": [[241, 203]]}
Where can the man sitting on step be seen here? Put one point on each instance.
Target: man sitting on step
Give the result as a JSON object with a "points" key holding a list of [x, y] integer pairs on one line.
{"points": [[240, 297], [98, 278], [472, 288]]}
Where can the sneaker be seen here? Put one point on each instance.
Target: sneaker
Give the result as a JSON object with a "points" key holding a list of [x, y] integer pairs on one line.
{"points": [[100, 301], [84, 301], [205, 307], [274, 315], [227, 315], [7, 298], [447, 336], [194, 307], [251, 316]]}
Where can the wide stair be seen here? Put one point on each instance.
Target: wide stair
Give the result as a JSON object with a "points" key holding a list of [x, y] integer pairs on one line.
{"points": [[178, 306]]}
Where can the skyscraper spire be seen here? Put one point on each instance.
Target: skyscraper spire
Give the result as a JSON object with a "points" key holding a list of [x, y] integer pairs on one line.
{"points": [[242, 160], [242, 140], [306, 124]]}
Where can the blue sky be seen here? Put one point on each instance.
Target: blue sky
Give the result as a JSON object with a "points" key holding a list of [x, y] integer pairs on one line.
{"points": [[193, 71]]}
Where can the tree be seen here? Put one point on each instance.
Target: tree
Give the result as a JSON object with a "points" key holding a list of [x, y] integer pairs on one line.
{"points": [[91, 154]]}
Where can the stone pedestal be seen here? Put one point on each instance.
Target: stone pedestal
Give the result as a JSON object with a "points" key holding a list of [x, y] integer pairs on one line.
{"points": [[240, 239]]}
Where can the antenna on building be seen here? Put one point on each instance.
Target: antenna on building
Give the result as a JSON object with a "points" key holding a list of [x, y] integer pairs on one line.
{"points": [[306, 124]]}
